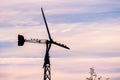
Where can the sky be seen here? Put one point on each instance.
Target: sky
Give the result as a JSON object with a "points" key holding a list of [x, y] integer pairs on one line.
{"points": [[91, 28]]}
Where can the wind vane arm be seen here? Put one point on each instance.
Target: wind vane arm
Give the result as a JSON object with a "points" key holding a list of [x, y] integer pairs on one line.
{"points": [[22, 40], [61, 45], [46, 24]]}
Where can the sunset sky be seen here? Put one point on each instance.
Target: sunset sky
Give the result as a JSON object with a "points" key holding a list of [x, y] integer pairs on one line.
{"points": [[91, 28]]}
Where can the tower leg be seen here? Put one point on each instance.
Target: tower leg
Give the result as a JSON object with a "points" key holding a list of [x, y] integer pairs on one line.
{"points": [[47, 74]]}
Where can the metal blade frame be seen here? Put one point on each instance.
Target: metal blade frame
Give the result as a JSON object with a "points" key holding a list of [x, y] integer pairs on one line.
{"points": [[46, 24]]}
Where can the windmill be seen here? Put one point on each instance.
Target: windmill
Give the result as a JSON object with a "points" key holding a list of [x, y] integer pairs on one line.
{"points": [[49, 42]]}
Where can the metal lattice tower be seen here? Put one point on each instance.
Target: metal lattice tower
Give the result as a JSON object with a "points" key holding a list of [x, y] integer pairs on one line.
{"points": [[46, 65]]}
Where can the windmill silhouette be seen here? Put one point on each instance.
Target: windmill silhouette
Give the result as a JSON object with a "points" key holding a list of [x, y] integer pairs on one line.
{"points": [[49, 42]]}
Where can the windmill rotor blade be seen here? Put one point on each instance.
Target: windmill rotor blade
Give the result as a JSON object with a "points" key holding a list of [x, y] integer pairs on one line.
{"points": [[46, 24], [61, 45]]}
